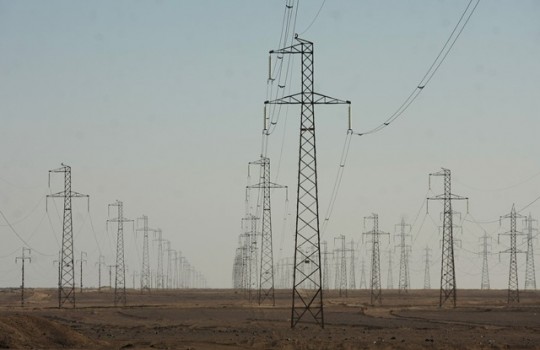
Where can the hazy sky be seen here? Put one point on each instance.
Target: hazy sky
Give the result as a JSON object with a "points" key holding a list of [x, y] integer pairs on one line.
{"points": [[159, 104]]}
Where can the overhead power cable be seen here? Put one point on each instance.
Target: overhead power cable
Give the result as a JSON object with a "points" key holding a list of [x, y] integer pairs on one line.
{"points": [[441, 57], [314, 18]]}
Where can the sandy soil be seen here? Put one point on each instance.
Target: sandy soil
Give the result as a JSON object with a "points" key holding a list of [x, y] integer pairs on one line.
{"points": [[225, 319]]}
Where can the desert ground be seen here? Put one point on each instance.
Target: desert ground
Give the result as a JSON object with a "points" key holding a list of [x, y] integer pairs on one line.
{"points": [[227, 319]]}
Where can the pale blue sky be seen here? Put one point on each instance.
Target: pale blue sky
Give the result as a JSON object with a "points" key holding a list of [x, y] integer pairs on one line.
{"points": [[159, 104]]}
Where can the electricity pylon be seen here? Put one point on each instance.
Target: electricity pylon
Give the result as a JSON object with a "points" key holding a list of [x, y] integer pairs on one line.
{"points": [[513, 286], [325, 265], [66, 287], [485, 268], [375, 284], [363, 284], [266, 276], [352, 269], [120, 272], [307, 295], [146, 281], [110, 274], [82, 261], [427, 275], [530, 273], [389, 276], [448, 273], [159, 273], [404, 279], [341, 265], [99, 263], [23, 258]]}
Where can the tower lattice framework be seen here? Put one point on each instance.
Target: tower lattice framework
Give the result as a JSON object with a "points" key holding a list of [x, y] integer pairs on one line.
{"points": [[66, 278], [404, 278], [485, 267], [375, 282], [146, 277], [448, 273], [307, 295], [266, 272], [530, 273], [513, 286], [120, 267]]}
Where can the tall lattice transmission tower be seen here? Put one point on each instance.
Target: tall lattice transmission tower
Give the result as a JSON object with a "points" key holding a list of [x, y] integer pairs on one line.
{"points": [[325, 265], [485, 267], [530, 273], [404, 278], [363, 283], [352, 266], [307, 296], [448, 273], [120, 267], [375, 284], [146, 277], [266, 276], [159, 272], [389, 275], [513, 286], [66, 279], [427, 275], [341, 265]]}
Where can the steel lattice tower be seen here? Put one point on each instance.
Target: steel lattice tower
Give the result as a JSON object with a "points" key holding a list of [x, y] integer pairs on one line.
{"points": [[352, 270], [375, 284], [82, 260], [66, 286], [23, 258], [266, 276], [513, 286], [307, 296], [485, 266], [120, 267], [146, 281], [159, 272], [404, 279], [448, 273], [341, 265], [427, 275], [530, 273], [325, 253], [389, 276], [363, 284], [99, 263]]}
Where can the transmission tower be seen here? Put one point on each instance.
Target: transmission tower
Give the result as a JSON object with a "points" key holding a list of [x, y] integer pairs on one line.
{"points": [[146, 281], [23, 258], [266, 276], [448, 274], [82, 261], [352, 269], [66, 288], [307, 296], [530, 274], [485, 269], [120, 272], [389, 276], [404, 279], [110, 267], [427, 275], [341, 265], [513, 286], [326, 267], [375, 284], [363, 284], [159, 273], [99, 263]]}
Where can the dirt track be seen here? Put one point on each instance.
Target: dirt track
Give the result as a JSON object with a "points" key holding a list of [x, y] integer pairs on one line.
{"points": [[223, 319]]}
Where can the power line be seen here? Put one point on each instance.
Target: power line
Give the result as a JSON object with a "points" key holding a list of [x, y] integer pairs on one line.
{"points": [[435, 65], [314, 18]]}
